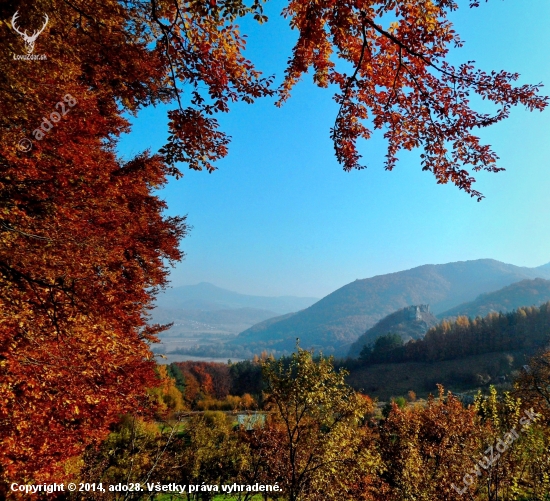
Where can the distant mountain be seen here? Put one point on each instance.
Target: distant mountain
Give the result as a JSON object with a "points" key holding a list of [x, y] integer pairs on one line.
{"points": [[205, 317], [525, 293], [336, 321], [205, 296], [411, 322]]}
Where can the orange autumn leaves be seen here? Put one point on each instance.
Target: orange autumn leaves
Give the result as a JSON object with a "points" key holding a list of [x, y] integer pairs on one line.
{"points": [[401, 81], [84, 241]]}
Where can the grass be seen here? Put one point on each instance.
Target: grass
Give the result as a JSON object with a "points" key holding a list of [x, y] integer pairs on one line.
{"points": [[390, 380]]}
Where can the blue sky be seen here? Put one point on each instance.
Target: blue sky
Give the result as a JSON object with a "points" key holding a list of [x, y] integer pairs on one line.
{"points": [[281, 217]]}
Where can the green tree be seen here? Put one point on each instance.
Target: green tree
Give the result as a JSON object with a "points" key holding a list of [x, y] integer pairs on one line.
{"points": [[209, 452], [385, 349], [319, 450], [399, 401], [175, 373], [387, 343]]}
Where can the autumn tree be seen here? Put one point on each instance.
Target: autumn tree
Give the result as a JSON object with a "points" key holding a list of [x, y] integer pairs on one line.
{"points": [[427, 450], [534, 380], [168, 395], [136, 451], [402, 82], [496, 449], [204, 379], [514, 451], [316, 443], [210, 452], [84, 243], [532, 387]]}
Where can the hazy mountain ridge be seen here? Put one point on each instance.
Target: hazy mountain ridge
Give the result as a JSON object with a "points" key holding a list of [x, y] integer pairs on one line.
{"points": [[336, 321], [205, 316], [206, 296], [524, 293]]}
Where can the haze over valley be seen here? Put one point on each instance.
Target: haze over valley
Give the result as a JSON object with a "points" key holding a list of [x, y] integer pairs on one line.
{"points": [[206, 315], [216, 323]]}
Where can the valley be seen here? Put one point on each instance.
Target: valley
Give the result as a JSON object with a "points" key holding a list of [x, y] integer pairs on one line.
{"points": [[231, 325]]}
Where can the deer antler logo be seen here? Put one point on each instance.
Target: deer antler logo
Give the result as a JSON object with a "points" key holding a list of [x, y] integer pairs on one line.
{"points": [[29, 40]]}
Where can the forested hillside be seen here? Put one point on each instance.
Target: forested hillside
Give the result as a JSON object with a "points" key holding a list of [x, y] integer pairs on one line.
{"points": [[525, 293], [524, 328], [464, 355], [409, 323], [336, 321]]}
